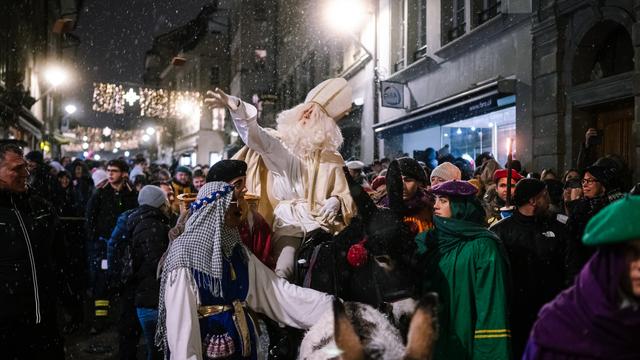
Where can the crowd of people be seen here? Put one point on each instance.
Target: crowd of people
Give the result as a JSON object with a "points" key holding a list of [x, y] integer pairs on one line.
{"points": [[525, 265]]}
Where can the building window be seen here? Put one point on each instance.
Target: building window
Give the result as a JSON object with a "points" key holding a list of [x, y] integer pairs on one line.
{"points": [[418, 33], [454, 22], [485, 10], [398, 34]]}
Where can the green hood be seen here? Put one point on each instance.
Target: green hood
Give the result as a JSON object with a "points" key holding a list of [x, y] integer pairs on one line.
{"points": [[466, 223]]}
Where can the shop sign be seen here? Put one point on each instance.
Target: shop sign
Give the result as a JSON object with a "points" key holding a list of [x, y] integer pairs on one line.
{"points": [[392, 94]]}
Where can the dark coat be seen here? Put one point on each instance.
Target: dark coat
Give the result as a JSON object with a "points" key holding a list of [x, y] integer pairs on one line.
{"points": [[42, 183], [27, 223], [104, 207], [149, 229], [537, 249]]}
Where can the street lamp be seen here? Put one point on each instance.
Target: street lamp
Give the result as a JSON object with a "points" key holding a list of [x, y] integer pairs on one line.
{"points": [[106, 131], [56, 76], [346, 16], [145, 138], [150, 130], [70, 109]]}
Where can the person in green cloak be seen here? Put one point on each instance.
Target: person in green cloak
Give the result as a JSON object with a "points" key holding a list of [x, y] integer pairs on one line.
{"points": [[465, 264]]}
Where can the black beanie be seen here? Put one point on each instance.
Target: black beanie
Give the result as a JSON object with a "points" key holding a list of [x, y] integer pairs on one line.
{"points": [[410, 168], [604, 175], [526, 189], [35, 156], [227, 170]]}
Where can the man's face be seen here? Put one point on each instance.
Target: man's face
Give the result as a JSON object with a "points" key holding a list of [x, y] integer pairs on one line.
{"points": [[410, 187], [114, 175], [233, 216], [239, 187], [198, 182], [31, 165], [182, 178], [541, 203], [168, 190], [435, 180], [502, 188], [13, 173]]}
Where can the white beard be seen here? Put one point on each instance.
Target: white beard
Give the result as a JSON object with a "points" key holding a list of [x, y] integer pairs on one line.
{"points": [[319, 133]]}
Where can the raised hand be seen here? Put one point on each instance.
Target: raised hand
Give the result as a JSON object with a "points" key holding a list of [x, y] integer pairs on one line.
{"points": [[218, 98]]}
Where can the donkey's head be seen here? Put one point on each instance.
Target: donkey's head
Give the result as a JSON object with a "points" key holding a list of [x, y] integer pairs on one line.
{"points": [[360, 332], [390, 243]]}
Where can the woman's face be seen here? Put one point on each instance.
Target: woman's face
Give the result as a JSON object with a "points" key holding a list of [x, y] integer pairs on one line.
{"points": [[64, 182], [442, 207], [591, 187], [78, 171], [632, 255]]}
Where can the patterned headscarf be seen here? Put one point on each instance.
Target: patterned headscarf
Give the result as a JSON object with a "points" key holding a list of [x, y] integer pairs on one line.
{"points": [[203, 244]]}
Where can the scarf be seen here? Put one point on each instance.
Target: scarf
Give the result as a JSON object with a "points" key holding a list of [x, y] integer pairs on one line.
{"points": [[466, 223], [203, 245], [587, 319]]}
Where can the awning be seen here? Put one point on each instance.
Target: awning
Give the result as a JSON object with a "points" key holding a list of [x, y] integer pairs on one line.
{"points": [[477, 101], [26, 125]]}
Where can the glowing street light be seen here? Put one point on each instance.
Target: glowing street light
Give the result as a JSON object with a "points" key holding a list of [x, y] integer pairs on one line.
{"points": [[118, 144], [145, 137], [85, 154], [150, 130], [101, 146], [115, 151], [85, 138], [70, 109], [96, 157], [107, 131], [56, 76], [85, 146], [345, 15], [127, 153]]}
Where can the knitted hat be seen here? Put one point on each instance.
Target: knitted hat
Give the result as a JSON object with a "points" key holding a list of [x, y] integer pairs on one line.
{"points": [[227, 170], [603, 174], [355, 165], [99, 176], [447, 171], [611, 225], [454, 188], [183, 169], [152, 195], [526, 189], [410, 168], [502, 173], [333, 96]]}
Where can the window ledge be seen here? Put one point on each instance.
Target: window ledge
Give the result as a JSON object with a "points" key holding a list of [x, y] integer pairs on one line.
{"points": [[477, 36], [420, 66]]}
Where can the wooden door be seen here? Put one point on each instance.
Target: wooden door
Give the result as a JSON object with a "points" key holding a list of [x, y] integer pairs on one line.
{"points": [[615, 121]]}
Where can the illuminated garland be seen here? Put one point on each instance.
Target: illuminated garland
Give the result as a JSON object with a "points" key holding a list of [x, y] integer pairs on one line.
{"points": [[158, 103]]}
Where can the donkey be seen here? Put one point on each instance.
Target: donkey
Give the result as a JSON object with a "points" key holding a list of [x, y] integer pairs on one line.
{"points": [[358, 331], [383, 271]]}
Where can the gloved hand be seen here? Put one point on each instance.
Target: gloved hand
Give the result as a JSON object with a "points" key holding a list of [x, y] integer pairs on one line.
{"points": [[330, 208]]}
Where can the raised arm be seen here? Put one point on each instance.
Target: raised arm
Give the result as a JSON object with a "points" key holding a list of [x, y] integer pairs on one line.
{"points": [[245, 118]]}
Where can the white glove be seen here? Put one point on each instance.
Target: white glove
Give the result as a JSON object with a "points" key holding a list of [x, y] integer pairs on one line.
{"points": [[330, 208]]}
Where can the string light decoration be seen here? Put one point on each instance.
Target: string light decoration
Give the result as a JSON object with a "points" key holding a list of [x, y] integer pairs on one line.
{"points": [[108, 98]]}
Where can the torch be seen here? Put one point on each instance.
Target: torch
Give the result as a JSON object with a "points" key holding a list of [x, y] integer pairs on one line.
{"points": [[509, 167]]}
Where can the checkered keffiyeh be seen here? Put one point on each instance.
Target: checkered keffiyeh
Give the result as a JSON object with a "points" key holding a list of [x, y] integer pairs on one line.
{"points": [[203, 244]]}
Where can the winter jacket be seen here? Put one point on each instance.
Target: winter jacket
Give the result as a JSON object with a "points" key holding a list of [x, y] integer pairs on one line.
{"points": [[149, 229], [104, 207], [42, 183], [27, 293], [537, 251]]}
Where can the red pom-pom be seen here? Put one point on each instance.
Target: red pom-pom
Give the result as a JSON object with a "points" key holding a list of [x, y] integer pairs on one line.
{"points": [[357, 255]]}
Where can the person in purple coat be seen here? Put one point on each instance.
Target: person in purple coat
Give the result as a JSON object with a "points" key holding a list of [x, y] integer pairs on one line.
{"points": [[599, 316]]}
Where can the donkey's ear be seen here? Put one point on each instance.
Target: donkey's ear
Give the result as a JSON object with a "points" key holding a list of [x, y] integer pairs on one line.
{"points": [[365, 205], [423, 329], [346, 337], [395, 187]]}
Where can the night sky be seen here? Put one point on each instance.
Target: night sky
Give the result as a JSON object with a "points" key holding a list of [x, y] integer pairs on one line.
{"points": [[115, 34]]}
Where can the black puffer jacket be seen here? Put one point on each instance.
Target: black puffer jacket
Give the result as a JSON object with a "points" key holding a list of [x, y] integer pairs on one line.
{"points": [[27, 224], [105, 206], [537, 249], [149, 229]]}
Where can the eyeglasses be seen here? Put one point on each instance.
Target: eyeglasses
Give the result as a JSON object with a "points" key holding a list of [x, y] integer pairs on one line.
{"points": [[589, 181]]}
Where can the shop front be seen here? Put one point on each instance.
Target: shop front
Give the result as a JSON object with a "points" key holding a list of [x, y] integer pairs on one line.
{"points": [[465, 125]]}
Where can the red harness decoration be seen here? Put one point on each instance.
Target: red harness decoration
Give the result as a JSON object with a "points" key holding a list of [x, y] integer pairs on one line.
{"points": [[357, 255]]}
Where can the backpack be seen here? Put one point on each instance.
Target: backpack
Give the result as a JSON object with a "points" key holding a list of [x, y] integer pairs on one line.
{"points": [[120, 253]]}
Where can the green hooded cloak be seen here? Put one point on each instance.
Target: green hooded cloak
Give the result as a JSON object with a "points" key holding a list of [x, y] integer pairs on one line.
{"points": [[463, 263]]}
